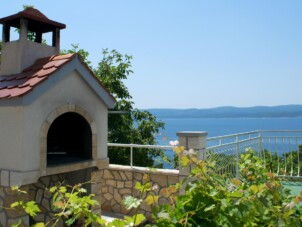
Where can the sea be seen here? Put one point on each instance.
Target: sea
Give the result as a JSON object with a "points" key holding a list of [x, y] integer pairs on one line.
{"points": [[223, 126]]}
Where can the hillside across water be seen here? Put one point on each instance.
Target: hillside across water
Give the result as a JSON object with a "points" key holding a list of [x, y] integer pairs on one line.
{"points": [[232, 112]]}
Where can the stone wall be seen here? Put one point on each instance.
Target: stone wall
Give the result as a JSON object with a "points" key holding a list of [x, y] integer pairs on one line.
{"points": [[110, 186], [38, 192], [118, 182], [9, 217]]}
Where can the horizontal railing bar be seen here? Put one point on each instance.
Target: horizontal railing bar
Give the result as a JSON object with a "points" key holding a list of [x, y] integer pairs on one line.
{"points": [[252, 132], [232, 143], [232, 135], [300, 131], [282, 137], [140, 146], [238, 142]]}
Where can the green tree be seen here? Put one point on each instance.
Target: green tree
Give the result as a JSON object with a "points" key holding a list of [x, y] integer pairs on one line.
{"points": [[127, 124]]}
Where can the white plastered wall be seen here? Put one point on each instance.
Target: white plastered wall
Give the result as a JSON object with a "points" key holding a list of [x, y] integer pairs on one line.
{"points": [[11, 137], [14, 58], [71, 89]]}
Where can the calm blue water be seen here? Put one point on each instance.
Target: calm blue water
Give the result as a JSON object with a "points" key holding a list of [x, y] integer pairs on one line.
{"points": [[224, 126]]}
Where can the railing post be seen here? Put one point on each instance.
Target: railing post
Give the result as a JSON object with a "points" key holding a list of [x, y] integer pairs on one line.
{"points": [[131, 156], [298, 156], [237, 157], [195, 141], [260, 145]]}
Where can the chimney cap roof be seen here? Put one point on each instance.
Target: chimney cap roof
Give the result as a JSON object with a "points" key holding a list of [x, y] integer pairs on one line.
{"points": [[37, 21]]}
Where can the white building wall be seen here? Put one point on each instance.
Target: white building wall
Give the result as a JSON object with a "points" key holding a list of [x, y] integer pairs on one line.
{"points": [[11, 135], [71, 89]]}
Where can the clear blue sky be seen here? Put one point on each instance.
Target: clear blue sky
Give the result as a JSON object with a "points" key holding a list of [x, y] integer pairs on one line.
{"points": [[191, 53]]}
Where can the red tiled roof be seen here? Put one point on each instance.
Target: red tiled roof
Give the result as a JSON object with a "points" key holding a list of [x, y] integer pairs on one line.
{"points": [[17, 85], [32, 14]]}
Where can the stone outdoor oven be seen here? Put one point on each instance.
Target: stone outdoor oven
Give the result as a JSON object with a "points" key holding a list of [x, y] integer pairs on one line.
{"points": [[53, 110]]}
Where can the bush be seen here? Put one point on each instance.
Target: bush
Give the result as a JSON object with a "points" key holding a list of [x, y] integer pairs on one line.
{"points": [[210, 199], [257, 198]]}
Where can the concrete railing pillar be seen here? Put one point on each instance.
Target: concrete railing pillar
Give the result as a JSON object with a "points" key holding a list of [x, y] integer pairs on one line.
{"points": [[195, 141]]}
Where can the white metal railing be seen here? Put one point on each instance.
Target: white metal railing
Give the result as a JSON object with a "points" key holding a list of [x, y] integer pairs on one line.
{"points": [[131, 146], [279, 149]]}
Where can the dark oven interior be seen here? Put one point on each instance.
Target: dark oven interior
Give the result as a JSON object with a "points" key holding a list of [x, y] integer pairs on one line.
{"points": [[69, 140]]}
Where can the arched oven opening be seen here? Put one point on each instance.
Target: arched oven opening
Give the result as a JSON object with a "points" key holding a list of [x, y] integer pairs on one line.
{"points": [[69, 140]]}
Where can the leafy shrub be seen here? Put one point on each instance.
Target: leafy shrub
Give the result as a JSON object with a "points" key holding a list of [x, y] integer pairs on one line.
{"points": [[210, 199], [205, 198]]}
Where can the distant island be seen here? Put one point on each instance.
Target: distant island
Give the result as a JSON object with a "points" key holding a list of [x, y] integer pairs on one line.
{"points": [[232, 112]]}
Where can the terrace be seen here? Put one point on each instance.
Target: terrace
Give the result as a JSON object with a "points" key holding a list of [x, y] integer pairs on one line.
{"points": [[280, 151]]}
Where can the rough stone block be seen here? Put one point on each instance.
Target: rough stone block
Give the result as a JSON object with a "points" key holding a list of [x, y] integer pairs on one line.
{"points": [[120, 184], [145, 207], [96, 188], [129, 175], [117, 196], [44, 130], [138, 176], [161, 180], [124, 210], [125, 191], [123, 176], [111, 183], [173, 180], [104, 189], [107, 174], [96, 176], [128, 184], [39, 196], [94, 140], [99, 199], [45, 204], [62, 109], [45, 181], [108, 196], [106, 206], [116, 175], [71, 107], [40, 218], [116, 208]]}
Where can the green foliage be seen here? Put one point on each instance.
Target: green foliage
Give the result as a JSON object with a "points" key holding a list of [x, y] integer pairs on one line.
{"points": [[130, 125], [135, 220], [21, 206], [30, 207], [73, 205], [209, 199], [284, 164], [28, 6], [131, 202], [75, 49], [256, 199]]}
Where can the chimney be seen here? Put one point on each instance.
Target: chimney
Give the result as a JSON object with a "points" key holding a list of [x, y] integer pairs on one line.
{"points": [[20, 54]]}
